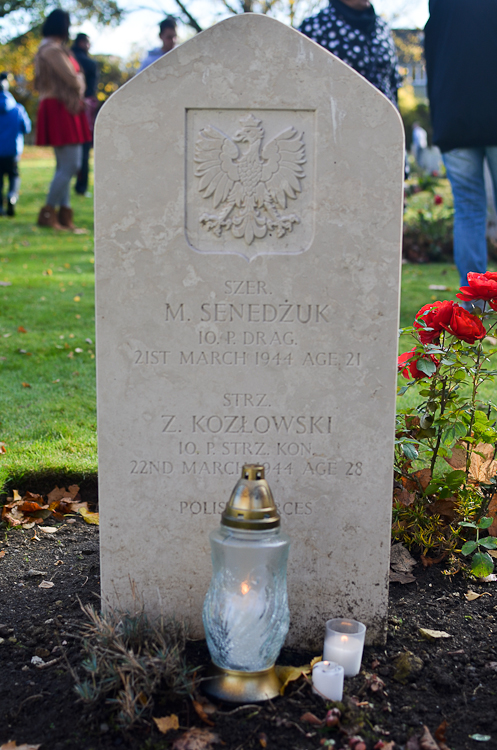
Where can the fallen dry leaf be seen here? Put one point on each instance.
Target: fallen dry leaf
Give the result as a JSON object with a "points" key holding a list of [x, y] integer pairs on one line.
{"points": [[199, 708], [262, 739], [48, 529], [26, 385], [89, 517], [472, 595], [433, 635], [426, 740], [166, 723], [21, 329], [401, 564], [196, 739], [3, 449], [482, 466], [13, 746], [46, 585], [489, 579], [289, 674], [2, 553], [427, 562], [312, 719], [404, 497], [440, 735]]}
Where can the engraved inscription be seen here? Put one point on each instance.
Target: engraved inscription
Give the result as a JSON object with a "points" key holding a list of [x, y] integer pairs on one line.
{"points": [[249, 182]]}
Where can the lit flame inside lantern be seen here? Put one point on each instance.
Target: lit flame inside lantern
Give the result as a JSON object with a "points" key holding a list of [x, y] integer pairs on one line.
{"points": [[344, 638], [245, 588]]}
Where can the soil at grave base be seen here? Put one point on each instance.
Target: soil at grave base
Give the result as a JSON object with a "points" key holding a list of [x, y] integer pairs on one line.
{"points": [[457, 683]]}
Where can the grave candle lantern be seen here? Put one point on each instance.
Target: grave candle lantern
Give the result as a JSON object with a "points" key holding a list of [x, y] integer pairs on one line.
{"points": [[245, 615], [344, 643]]}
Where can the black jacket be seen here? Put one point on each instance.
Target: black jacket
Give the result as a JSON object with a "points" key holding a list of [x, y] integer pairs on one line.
{"points": [[89, 68], [461, 63]]}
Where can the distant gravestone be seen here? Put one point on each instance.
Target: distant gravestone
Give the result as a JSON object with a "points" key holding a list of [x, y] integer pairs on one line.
{"points": [[248, 222]]}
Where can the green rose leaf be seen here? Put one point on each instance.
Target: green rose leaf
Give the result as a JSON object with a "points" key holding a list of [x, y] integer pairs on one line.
{"points": [[468, 548], [481, 564], [409, 451], [426, 366]]}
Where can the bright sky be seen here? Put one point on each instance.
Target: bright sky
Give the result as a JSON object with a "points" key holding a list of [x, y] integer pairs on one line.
{"points": [[139, 30]]}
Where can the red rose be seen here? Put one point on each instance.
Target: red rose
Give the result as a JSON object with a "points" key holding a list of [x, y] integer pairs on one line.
{"points": [[436, 316], [407, 364], [465, 326], [480, 286], [438, 200]]}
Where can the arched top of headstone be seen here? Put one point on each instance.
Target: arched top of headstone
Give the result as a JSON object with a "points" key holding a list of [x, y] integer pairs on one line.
{"points": [[250, 44]]}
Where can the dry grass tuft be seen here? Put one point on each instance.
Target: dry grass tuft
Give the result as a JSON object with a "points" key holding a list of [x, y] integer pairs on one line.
{"points": [[128, 657]]}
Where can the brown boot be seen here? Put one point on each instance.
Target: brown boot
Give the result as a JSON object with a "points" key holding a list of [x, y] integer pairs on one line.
{"points": [[65, 218], [48, 218]]}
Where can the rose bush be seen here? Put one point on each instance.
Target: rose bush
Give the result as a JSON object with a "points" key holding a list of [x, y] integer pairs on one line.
{"points": [[444, 437]]}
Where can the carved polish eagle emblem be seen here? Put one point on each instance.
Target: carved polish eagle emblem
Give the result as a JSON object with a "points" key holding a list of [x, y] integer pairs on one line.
{"points": [[249, 182]]}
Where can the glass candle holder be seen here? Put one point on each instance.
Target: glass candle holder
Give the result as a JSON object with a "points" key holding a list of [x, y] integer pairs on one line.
{"points": [[344, 644]]}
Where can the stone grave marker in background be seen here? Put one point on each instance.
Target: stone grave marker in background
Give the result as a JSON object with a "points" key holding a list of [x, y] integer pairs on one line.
{"points": [[248, 221]]}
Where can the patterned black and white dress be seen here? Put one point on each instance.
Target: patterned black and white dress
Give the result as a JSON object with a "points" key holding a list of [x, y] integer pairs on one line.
{"points": [[371, 53]]}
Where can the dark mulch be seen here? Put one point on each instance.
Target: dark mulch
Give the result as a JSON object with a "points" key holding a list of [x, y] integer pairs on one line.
{"points": [[457, 681]]}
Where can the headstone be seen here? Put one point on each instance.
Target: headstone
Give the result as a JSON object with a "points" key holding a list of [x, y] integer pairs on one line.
{"points": [[248, 221]]}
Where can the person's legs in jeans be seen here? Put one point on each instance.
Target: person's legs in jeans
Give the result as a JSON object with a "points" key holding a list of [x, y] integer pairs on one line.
{"points": [[491, 157], [14, 185], [81, 185], [465, 171], [68, 160]]}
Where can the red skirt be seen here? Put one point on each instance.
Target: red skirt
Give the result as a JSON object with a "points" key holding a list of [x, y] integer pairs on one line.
{"points": [[55, 126]]}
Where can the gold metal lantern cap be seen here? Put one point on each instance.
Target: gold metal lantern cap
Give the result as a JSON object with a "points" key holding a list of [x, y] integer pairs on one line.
{"points": [[251, 505]]}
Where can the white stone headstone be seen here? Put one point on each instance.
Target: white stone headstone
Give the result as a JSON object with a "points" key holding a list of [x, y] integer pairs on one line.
{"points": [[248, 221]]}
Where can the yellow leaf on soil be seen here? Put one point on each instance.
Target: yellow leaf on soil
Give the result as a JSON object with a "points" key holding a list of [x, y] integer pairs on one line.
{"points": [[289, 674], [166, 723], [89, 517], [433, 635], [472, 595]]}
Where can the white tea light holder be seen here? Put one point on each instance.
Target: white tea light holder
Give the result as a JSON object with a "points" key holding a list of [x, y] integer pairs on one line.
{"points": [[327, 680], [344, 644]]}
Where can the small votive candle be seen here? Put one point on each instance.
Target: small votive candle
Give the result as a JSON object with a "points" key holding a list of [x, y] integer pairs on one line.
{"points": [[327, 680], [344, 643]]}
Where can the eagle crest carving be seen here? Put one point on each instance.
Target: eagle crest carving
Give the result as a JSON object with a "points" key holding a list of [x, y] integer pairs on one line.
{"points": [[250, 183]]}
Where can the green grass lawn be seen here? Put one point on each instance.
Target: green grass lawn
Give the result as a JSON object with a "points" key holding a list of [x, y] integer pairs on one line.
{"points": [[47, 361], [47, 334]]}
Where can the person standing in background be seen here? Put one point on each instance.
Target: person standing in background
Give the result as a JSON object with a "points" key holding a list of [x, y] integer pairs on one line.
{"points": [[167, 34], [419, 142], [61, 120], [14, 123], [352, 31], [461, 65], [80, 50]]}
